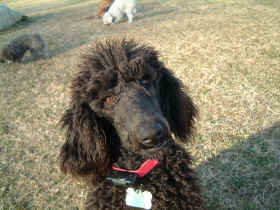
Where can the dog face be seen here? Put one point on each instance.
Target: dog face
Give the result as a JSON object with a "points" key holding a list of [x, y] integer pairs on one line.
{"points": [[7, 54], [132, 104], [107, 18]]}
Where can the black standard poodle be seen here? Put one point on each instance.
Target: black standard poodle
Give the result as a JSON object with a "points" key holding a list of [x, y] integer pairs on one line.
{"points": [[127, 118]]}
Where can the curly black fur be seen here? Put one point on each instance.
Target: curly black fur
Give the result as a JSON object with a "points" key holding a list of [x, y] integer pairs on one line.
{"points": [[17, 48], [125, 105]]}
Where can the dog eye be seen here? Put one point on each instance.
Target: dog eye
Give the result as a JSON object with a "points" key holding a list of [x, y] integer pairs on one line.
{"points": [[109, 100], [144, 82]]}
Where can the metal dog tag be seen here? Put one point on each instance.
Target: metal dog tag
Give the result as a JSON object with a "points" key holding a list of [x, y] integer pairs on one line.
{"points": [[138, 199]]}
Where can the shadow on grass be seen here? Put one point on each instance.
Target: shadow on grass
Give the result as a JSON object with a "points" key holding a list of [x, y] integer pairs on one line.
{"points": [[246, 176]]}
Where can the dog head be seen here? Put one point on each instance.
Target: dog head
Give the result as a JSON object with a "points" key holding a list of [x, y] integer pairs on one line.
{"points": [[108, 18], [7, 54], [123, 96]]}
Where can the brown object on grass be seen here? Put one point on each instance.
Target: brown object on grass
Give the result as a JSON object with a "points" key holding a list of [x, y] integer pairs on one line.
{"points": [[103, 7]]}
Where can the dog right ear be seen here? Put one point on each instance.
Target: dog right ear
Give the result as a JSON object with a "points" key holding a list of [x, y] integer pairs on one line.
{"points": [[85, 152], [176, 105]]}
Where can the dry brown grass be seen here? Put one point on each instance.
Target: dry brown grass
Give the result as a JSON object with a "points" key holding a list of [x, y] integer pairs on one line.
{"points": [[226, 52]]}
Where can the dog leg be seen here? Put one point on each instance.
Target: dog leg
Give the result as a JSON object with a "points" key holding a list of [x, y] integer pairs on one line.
{"points": [[130, 17], [46, 53]]}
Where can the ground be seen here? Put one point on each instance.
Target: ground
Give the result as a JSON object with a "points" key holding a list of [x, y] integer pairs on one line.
{"points": [[227, 53]]}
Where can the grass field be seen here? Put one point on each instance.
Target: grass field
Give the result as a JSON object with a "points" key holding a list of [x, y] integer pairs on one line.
{"points": [[227, 52]]}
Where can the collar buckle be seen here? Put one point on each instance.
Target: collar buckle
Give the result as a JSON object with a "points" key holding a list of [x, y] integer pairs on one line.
{"points": [[121, 176]]}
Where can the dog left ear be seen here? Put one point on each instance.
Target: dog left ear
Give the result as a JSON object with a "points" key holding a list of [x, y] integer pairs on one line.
{"points": [[176, 105]]}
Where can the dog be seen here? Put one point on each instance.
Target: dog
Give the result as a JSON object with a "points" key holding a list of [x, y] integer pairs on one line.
{"points": [[17, 48], [118, 10], [128, 111], [103, 7]]}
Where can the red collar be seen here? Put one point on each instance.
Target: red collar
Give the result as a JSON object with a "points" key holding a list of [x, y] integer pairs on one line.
{"points": [[145, 168]]}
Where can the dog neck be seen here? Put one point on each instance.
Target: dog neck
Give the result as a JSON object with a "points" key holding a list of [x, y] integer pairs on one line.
{"points": [[128, 175], [129, 160], [144, 169], [113, 17]]}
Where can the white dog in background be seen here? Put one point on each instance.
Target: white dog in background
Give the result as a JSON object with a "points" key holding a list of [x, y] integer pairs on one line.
{"points": [[118, 9]]}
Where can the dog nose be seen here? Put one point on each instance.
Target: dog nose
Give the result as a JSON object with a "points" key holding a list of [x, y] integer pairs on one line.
{"points": [[149, 135]]}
